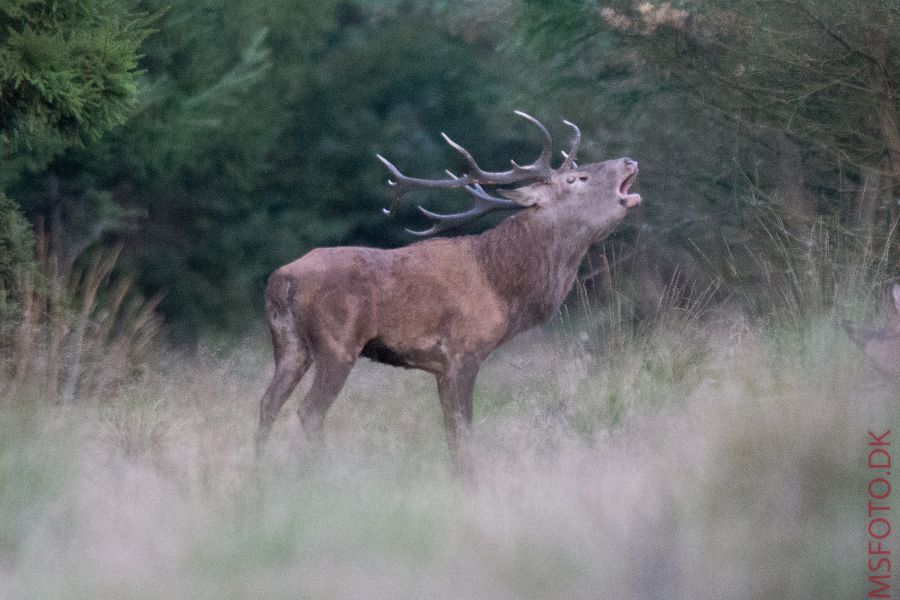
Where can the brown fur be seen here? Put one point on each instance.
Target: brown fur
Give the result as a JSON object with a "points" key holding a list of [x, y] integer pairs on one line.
{"points": [[440, 305], [882, 345]]}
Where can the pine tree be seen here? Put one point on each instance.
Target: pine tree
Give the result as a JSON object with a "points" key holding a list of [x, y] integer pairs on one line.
{"points": [[68, 73]]}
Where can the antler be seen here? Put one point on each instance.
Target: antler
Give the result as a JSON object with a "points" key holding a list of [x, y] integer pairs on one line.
{"points": [[539, 169], [484, 203], [471, 181], [569, 162]]}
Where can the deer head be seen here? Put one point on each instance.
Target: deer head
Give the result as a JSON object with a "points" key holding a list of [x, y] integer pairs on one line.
{"points": [[881, 345], [596, 196]]}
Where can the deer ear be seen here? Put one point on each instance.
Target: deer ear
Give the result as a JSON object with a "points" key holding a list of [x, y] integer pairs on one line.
{"points": [[896, 293], [521, 196]]}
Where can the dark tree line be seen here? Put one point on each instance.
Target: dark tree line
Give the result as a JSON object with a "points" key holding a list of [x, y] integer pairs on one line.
{"points": [[218, 139]]}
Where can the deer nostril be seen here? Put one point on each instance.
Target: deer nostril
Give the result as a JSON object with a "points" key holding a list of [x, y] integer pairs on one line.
{"points": [[630, 163]]}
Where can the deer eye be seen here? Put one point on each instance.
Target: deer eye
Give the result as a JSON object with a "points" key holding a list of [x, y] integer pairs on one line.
{"points": [[583, 177]]}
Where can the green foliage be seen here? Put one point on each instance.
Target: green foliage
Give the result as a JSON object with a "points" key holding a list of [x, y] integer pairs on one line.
{"points": [[255, 141], [757, 125], [256, 125], [16, 256], [67, 73], [189, 157]]}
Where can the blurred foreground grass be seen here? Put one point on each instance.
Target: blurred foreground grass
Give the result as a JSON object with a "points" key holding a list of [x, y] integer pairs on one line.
{"points": [[693, 460]]}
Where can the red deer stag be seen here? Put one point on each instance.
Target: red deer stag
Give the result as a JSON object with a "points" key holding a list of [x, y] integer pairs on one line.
{"points": [[882, 345], [442, 305]]}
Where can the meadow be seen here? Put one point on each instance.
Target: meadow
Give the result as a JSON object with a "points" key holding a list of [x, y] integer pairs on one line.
{"points": [[707, 455]]}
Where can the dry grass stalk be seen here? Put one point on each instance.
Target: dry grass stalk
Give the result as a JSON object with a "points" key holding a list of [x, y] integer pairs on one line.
{"points": [[83, 332]]}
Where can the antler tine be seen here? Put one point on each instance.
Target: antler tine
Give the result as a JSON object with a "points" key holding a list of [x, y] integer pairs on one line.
{"points": [[489, 202], [541, 166], [569, 162], [484, 203], [403, 184], [476, 170]]}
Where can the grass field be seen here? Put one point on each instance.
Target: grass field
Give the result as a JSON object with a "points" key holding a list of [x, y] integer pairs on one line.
{"points": [[696, 459]]}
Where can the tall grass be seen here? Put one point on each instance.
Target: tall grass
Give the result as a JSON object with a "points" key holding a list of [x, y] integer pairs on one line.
{"points": [[729, 466], [83, 332], [789, 270]]}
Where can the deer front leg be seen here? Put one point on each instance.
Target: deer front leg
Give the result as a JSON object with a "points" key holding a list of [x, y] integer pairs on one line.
{"points": [[455, 388]]}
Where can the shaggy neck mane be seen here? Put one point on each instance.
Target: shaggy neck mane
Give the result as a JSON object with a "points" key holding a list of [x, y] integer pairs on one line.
{"points": [[531, 261]]}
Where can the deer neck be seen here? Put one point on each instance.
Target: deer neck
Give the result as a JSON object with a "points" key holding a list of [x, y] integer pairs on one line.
{"points": [[531, 259]]}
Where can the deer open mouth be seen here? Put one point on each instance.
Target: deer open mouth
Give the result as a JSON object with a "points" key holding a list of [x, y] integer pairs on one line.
{"points": [[627, 199]]}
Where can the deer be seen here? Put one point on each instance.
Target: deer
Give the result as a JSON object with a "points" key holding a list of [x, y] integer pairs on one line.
{"points": [[443, 304], [882, 345]]}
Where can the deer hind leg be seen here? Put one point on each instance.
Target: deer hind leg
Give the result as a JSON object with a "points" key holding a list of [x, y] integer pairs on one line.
{"points": [[331, 374], [455, 388], [287, 375], [292, 360]]}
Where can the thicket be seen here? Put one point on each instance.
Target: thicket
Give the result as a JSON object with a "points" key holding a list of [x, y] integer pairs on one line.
{"points": [[765, 128]]}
